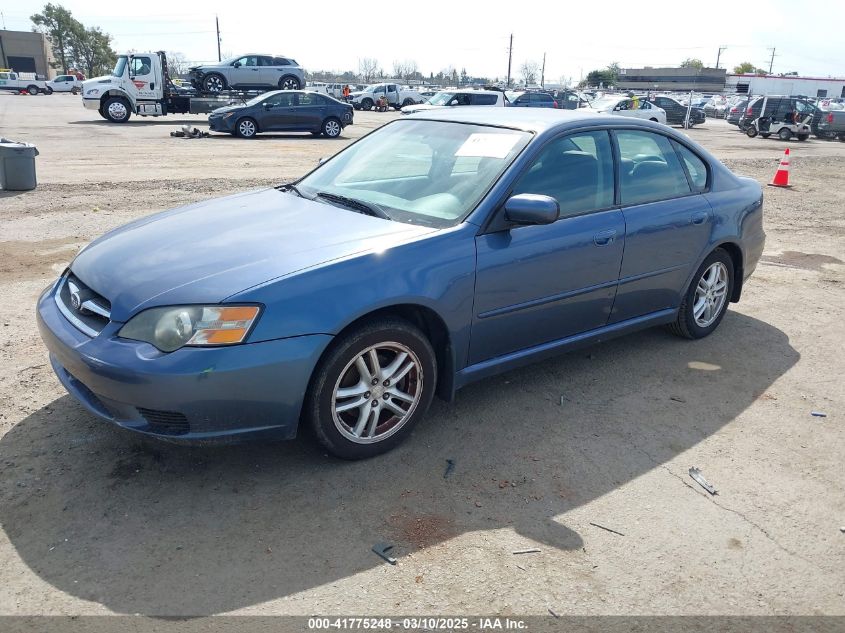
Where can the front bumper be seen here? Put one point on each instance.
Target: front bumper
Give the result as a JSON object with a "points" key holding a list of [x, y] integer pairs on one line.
{"points": [[91, 104], [219, 124], [192, 394]]}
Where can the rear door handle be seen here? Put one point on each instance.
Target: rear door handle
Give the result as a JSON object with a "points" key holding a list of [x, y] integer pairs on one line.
{"points": [[699, 218], [605, 237]]}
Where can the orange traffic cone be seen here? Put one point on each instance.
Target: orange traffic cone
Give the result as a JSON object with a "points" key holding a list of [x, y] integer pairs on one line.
{"points": [[781, 178]]}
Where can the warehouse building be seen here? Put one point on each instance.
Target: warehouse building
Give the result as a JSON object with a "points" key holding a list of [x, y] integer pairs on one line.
{"points": [[26, 52], [681, 79]]}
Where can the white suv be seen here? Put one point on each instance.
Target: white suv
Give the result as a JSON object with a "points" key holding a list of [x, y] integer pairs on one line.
{"points": [[451, 98]]}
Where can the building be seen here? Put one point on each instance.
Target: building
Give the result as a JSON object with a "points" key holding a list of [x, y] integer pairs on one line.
{"points": [[26, 52], [786, 85], [669, 79]]}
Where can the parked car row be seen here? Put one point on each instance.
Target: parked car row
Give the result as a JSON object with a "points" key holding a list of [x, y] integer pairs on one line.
{"points": [[787, 117]]}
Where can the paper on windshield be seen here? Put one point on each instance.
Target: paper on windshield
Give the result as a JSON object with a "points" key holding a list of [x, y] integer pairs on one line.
{"points": [[488, 145]]}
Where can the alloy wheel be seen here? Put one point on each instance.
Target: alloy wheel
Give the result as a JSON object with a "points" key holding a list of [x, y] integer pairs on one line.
{"points": [[246, 128], [214, 84], [711, 292], [290, 84], [377, 393], [332, 128]]}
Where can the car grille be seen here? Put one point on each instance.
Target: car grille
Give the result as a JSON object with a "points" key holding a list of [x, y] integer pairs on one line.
{"points": [[84, 308], [165, 422]]}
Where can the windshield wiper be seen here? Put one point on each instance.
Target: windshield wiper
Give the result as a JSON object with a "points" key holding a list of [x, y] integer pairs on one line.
{"points": [[291, 187], [374, 210]]}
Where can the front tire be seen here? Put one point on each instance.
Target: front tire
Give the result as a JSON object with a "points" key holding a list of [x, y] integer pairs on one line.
{"points": [[784, 134], [751, 132], [214, 82], [33, 90], [371, 388], [332, 128], [246, 128], [289, 82], [75, 91], [367, 104], [48, 90], [802, 137], [116, 110], [706, 300]]}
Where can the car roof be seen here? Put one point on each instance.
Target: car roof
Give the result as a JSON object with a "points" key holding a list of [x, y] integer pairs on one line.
{"points": [[528, 119]]}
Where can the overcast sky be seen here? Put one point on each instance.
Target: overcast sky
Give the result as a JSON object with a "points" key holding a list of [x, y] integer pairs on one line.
{"points": [[576, 36]]}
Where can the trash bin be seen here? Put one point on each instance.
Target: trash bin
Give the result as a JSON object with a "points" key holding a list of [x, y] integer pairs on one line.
{"points": [[17, 165]]}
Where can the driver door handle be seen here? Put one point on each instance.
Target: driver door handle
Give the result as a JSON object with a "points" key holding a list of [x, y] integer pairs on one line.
{"points": [[699, 218], [604, 237]]}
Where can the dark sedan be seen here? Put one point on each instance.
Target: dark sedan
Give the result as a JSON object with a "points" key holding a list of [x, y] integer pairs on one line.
{"points": [[440, 249], [676, 112], [283, 111]]}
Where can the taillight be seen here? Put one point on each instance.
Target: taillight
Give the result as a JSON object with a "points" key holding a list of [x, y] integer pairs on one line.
{"points": [[749, 111], [556, 105], [830, 117]]}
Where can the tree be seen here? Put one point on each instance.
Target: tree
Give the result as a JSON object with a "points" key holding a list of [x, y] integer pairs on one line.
{"points": [[691, 62], [92, 50], [603, 78], [368, 67], [612, 72], [744, 68], [177, 63], [529, 71], [398, 69], [59, 25], [464, 77]]}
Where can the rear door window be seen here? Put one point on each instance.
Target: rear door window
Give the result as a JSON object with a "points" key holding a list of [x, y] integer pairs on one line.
{"points": [[696, 168], [649, 168], [484, 99]]}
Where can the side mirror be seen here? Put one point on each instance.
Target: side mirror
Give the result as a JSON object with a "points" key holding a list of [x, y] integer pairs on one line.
{"points": [[530, 208], [237, 64], [453, 102], [267, 106], [320, 161]]}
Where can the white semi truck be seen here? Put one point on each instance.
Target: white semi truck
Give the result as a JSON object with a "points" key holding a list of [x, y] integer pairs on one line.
{"points": [[140, 84]]}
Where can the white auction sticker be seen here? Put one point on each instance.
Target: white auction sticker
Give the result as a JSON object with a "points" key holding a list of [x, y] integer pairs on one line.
{"points": [[488, 145]]}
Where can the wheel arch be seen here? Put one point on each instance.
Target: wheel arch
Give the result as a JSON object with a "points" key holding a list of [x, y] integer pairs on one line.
{"points": [[434, 328], [735, 252]]}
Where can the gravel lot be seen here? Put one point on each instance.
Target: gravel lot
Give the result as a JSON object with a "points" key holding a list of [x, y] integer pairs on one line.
{"points": [[95, 520]]}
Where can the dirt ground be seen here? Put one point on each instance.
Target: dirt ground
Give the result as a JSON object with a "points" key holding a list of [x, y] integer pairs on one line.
{"points": [[95, 520]]}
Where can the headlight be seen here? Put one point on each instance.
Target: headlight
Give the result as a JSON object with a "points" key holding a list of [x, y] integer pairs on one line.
{"points": [[228, 114], [174, 327]]}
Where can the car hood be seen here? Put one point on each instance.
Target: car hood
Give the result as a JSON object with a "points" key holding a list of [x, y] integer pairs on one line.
{"points": [[228, 108], [206, 252], [420, 107]]}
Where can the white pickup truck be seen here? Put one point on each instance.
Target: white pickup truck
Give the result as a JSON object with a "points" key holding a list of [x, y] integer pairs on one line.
{"points": [[397, 96], [22, 82]]}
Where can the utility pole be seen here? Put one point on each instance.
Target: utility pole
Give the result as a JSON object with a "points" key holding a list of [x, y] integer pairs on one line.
{"points": [[217, 22], [543, 73], [719, 55], [510, 58], [772, 60]]}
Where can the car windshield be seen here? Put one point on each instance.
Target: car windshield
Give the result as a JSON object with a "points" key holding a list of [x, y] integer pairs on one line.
{"points": [[258, 99], [431, 173], [441, 98], [119, 67], [512, 95]]}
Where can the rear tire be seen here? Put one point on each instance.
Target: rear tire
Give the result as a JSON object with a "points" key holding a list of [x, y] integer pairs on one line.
{"points": [[751, 132], [332, 127], [246, 128], [289, 82], [706, 299], [784, 134], [32, 89], [341, 370], [75, 91], [802, 137], [116, 110]]}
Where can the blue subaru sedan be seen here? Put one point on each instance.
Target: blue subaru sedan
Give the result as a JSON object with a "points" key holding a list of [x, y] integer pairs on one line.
{"points": [[440, 249]]}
